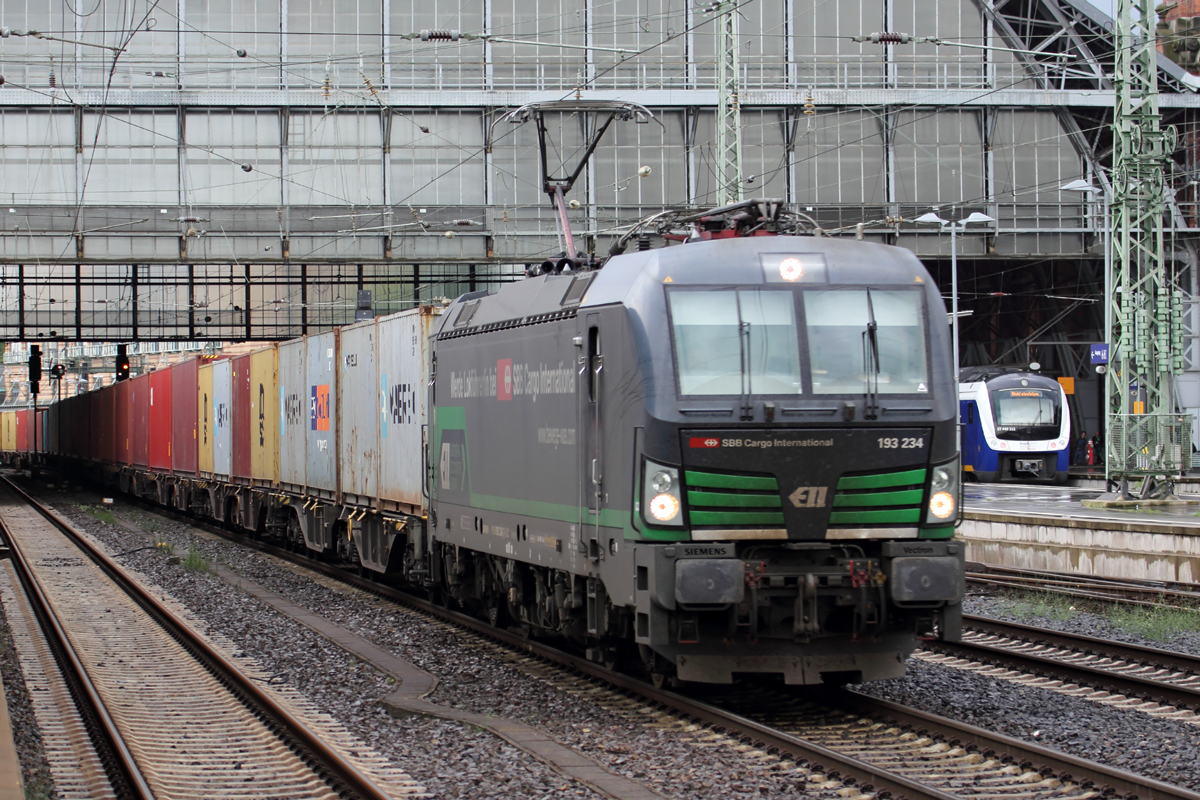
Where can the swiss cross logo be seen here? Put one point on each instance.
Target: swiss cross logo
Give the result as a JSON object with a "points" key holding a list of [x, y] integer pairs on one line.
{"points": [[704, 441], [504, 379]]}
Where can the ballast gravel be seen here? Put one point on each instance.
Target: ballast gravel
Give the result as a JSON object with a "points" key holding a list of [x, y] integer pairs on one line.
{"points": [[454, 761], [1125, 739], [27, 736], [449, 759]]}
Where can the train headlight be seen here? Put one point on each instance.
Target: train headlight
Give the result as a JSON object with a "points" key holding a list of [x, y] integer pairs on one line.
{"points": [[942, 477], [664, 507], [941, 505], [943, 493], [661, 495], [790, 269]]}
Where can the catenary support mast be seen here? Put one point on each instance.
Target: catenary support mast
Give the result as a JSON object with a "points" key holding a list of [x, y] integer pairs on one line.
{"points": [[729, 127], [1146, 440]]}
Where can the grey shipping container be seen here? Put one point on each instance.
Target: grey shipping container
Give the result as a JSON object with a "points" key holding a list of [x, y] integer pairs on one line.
{"points": [[222, 418], [293, 415], [321, 463], [358, 414], [403, 359]]}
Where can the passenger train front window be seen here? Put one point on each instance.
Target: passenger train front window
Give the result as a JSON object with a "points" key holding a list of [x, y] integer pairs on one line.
{"points": [[837, 323], [1026, 411], [730, 342]]}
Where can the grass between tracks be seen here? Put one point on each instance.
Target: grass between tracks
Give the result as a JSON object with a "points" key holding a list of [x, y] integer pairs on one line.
{"points": [[195, 561], [1157, 623]]}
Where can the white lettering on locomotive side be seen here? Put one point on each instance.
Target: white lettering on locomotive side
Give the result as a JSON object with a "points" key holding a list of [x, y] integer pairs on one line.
{"points": [[762, 444], [556, 436], [518, 380]]}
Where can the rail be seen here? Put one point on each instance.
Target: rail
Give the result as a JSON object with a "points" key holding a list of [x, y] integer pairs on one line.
{"points": [[869, 776], [339, 771]]}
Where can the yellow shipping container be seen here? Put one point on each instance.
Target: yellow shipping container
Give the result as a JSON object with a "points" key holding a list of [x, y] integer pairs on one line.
{"points": [[204, 409], [8, 431], [264, 417]]}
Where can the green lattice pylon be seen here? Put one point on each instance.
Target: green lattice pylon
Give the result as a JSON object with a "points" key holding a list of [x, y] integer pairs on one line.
{"points": [[1144, 437], [729, 126]]}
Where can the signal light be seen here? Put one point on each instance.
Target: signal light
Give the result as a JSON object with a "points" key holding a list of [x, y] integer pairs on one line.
{"points": [[122, 363], [35, 363]]}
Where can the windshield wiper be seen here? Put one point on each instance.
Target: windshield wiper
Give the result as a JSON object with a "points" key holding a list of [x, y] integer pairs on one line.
{"points": [[871, 362]]}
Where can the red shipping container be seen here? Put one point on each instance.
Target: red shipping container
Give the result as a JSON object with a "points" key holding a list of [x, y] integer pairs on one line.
{"points": [[139, 433], [185, 409], [43, 416], [240, 432], [24, 442], [123, 416], [160, 420], [61, 426], [103, 423]]}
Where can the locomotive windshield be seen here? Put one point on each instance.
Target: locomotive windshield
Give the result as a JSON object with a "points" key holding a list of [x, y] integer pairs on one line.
{"points": [[837, 320], [1026, 412], [732, 340]]}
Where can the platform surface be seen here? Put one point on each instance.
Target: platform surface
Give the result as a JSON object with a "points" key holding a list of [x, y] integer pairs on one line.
{"points": [[1063, 502]]}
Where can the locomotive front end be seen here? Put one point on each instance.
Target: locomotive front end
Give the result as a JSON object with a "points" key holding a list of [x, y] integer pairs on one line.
{"points": [[798, 479]]}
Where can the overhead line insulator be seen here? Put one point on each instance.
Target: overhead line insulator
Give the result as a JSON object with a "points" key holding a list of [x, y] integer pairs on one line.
{"points": [[439, 36]]}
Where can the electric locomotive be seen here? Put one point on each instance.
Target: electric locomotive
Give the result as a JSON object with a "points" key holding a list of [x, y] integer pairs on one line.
{"points": [[733, 455], [1016, 425]]}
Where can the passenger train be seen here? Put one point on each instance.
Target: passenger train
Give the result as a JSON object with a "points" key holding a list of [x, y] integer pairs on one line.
{"points": [[1016, 426], [731, 454]]}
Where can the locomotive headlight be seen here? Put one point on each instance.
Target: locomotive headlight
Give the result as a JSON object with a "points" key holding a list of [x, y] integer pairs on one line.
{"points": [[791, 270], [661, 495], [941, 505], [943, 492], [942, 477], [664, 507]]}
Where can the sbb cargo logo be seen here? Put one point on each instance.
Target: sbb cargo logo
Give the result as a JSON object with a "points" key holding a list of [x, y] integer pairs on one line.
{"points": [[504, 379], [704, 441], [318, 410]]}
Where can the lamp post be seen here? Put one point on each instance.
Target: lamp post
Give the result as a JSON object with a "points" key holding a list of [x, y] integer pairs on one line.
{"points": [[933, 219], [1096, 193]]}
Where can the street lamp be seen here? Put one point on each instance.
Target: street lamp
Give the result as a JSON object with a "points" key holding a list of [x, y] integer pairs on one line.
{"points": [[933, 219], [1095, 193]]}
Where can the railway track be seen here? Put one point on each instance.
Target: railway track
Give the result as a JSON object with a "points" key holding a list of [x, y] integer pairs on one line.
{"points": [[873, 744], [1090, 587], [1114, 671], [169, 716]]}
